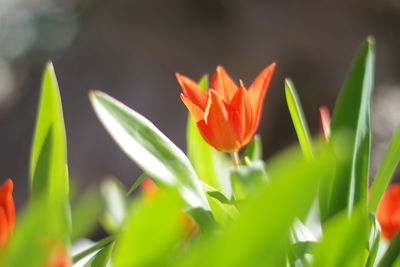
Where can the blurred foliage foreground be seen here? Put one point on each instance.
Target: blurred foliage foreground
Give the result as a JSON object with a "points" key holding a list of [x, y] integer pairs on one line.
{"points": [[308, 206]]}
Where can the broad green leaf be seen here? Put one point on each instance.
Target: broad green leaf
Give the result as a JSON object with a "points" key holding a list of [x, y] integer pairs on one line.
{"points": [[299, 121], [392, 253], [211, 166], [149, 148], [352, 115], [386, 171], [116, 202], [85, 214], [344, 240], [152, 230], [260, 235], [48, 163], [101, 258]]}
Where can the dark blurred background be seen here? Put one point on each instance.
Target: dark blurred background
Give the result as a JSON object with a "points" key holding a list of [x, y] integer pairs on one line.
{"points": [[131, 50]]}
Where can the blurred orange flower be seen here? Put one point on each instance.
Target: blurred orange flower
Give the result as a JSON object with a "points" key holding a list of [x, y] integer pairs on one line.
{"points": [[325, 122], [227, 115], [150, 190], [59, 256], [7, 212], [388, 213]]}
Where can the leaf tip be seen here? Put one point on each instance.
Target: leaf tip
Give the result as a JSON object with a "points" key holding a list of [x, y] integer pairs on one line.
{"points": [[371, 40]]}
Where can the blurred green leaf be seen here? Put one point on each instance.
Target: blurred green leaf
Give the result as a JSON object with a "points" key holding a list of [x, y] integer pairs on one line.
{"points": [[223, 210], [344, 240], [299, 121], [254, 150], [116, 201], [137, 182], [245, 179], [149, 148], [203, 82], [373, 242], [98, 245], [386, 171], [260, 236], [392, 253], [352, 114], [85, 214], [152, 230], [48, 163], [101, 258], [211, 166], [32, 243], [298, 251]]}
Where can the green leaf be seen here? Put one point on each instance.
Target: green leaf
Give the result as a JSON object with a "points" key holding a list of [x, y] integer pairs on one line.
{"points": [[48, 163], [101, 258], [152, 230], [298, 251], [116, 202], [203, 82], [260, 235], [85, 214], [245, 179], [343, 243], [137, 182], [299, 121], [392, 253], [149, 148], [223, 210], [386, 171], [254, 150], [373, 242], [352, 115], [211, 166], [32, 242], [98, 245]]}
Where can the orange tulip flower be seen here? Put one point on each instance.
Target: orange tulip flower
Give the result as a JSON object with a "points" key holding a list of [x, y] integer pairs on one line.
{"points": [[7, 212], [388, 213], [227, 115]]}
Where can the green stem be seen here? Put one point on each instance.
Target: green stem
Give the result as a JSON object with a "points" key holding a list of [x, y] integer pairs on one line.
{"points": [[235, 158], [100, 244]]}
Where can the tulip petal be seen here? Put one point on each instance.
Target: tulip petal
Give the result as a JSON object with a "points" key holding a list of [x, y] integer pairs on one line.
{"points": [[192, 91], [7, 203], [388, 212], [242, 115], [3, 227], [218, 128], [196, 112], [223, 84], [257, 92]]}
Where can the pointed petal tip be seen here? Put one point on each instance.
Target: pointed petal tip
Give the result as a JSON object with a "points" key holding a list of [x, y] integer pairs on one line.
{"points": [[8, 186], [219, 67], [272, 66]]}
